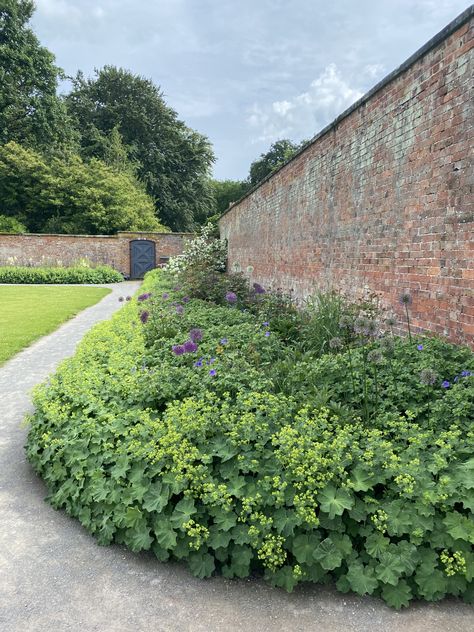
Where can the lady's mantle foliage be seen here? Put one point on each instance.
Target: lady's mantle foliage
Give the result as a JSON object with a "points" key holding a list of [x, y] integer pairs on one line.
{"points": [[251, 456]]}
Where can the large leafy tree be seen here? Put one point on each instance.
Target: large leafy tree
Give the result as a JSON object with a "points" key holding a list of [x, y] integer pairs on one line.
{"points": [[227, 191], [173, 160], [31, 112], [67, 195], [275, 157]]}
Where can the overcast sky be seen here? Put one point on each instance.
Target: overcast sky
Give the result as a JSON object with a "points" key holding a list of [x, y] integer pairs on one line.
{"points": [[245, 72]]}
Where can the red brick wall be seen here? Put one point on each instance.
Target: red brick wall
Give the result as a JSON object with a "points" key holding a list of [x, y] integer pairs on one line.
{"points": [[114, 250], [382, 199]]}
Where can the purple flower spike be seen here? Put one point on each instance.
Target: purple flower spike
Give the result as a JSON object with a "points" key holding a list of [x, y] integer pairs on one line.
{"points": [[223, 341], [195, 335], [231, 297], [445, 384], [144, 316], [190, 346], [165, 296], [178, 349], [212, 372], [179, 309], [420, 347]]}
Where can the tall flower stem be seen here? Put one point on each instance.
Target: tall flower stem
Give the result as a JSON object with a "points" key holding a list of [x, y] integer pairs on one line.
{"points": [[408, 321]]}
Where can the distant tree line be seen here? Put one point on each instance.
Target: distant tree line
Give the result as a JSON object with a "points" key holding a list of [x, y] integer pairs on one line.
{"points": [[109, 155]]}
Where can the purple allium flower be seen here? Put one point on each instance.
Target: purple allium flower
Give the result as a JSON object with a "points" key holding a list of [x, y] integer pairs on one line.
{"points": [[121, 299], [428, 377], [231, 297], [267, 333], [223, 341], [212, 372], [185, 299], [445, 384], [258, 289], [129, 298], [144, 297], [346, 322], [405, 298], [420, 347], [360, 325], [190, 346], [375, 356], [335, 343], [144, 316], [165, 296], [178, 349], [179, 309], [195, 335]]}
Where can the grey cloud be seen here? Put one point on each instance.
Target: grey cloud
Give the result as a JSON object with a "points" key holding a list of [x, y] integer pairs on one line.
{"points": [[220, 61]]}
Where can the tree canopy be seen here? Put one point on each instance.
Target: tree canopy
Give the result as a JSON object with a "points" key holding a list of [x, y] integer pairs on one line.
{"points": [[172, 160], [31, 112], [275, 157], [68, 195]]}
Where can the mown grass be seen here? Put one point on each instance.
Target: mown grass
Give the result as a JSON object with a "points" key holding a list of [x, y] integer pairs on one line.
{"points": [[27, 313]]}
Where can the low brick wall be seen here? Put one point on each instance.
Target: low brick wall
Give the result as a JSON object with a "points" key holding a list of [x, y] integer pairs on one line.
{"points": [[382, 199], [114, 250]]}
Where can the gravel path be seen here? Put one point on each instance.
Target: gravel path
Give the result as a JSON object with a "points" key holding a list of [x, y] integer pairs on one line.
{"points": [[54, 577]]}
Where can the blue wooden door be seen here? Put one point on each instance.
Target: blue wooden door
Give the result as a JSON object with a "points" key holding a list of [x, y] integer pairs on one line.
{"points": [[142, 257]]}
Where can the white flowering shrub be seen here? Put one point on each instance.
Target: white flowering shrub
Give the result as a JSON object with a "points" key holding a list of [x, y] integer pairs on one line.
{"points": [[203, 250]]}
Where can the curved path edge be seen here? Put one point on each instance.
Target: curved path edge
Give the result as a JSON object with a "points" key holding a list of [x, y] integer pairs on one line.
{"points": [[54, 576]]}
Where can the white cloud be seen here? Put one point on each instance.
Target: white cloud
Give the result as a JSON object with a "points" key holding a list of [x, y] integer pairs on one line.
{"points": [[374, 71], [58, 9], [305, 114]]}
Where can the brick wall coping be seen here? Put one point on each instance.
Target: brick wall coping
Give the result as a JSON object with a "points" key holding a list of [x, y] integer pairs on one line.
{"points": [[120, 234], [448, 30]]}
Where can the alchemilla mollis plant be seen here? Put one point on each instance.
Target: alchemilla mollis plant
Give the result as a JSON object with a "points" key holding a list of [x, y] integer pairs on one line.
{"points": [[249, 437]]}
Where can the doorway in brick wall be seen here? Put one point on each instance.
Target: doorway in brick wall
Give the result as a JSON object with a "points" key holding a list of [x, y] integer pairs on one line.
{"points": [[142, 257]]}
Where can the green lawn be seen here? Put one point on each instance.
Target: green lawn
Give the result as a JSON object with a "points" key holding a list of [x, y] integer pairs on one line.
{"points": [[29, 312]]}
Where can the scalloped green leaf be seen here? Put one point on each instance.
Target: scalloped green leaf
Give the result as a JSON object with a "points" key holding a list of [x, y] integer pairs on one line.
{"points": [[201, 564], [328, 555], [397, 596], [304, 546], [334, 501], [361, 578]]}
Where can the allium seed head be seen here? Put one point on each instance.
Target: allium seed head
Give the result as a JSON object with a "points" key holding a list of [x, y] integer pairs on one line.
{"points": [[428, 377]]}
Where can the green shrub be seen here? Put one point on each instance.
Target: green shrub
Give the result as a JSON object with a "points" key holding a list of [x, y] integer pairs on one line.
{"points": [[220, 458], [58, 274], [11, 225]]}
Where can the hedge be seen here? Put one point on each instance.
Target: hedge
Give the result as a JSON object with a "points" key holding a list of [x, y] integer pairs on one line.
{"points": [[58, 274]]}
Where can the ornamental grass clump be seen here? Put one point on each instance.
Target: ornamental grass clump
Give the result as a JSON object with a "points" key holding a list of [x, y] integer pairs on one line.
{"points": [[246, 454]]}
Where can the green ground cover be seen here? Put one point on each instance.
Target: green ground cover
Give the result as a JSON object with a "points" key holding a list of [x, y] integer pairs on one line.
{"points": [[27, 312], [227, 429]]}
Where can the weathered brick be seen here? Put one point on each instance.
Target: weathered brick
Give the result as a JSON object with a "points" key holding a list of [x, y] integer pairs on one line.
{"points": [[114, 250], [382, 201]]}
